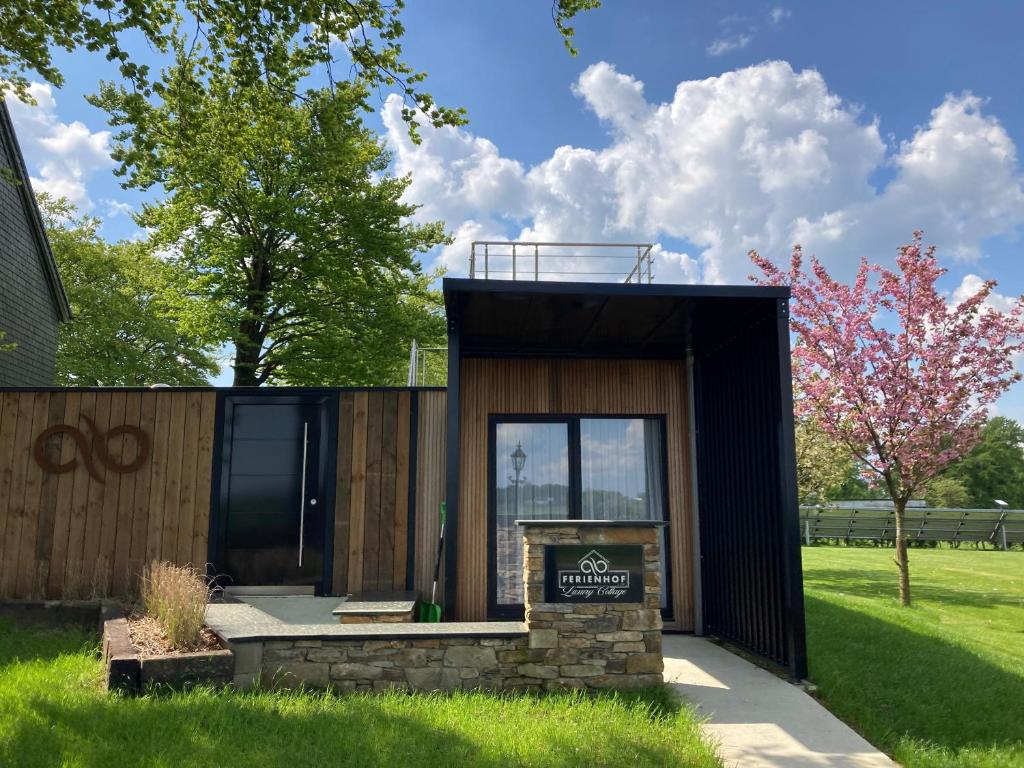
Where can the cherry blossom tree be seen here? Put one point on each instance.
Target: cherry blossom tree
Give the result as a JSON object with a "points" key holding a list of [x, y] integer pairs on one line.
{"points": [[894, 372]]}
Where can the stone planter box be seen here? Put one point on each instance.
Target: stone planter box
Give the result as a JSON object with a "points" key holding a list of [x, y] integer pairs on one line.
{"points": [[129, 672]]}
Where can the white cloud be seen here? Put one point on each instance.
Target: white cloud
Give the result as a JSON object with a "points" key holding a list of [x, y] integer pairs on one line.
{"points": [[735, 42], [117, 208], [63, 154], [778, 14], [971, 284], [760, 157]]}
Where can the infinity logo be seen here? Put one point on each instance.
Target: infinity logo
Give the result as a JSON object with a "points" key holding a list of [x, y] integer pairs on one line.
{"points": [[591, 564], [97, 445]]}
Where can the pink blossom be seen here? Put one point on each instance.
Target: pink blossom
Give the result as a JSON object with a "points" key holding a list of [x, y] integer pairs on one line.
{"points": [[890, 369]]}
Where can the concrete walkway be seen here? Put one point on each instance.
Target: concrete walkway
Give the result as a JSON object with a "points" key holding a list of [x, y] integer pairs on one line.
{"points": [[758, 719]]}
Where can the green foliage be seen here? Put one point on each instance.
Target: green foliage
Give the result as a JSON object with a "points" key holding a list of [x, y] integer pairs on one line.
{"points": [[994, 469], [129, 323], [949, 492], [822, 465], [6, 347], [563, 11], [52, 712], [281, 213], [367, 34], [938, 686], [30, 30]]}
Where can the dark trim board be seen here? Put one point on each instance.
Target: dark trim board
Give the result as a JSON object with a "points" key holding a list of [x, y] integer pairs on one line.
{"points": [[414, 438], [451, 541], [457, 285], [792, 567]]}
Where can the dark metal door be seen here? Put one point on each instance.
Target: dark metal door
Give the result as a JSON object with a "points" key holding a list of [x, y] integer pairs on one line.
{"points": [[273, 496]]}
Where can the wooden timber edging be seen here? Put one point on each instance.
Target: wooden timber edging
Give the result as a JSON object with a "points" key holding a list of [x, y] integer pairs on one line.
{"points": [[127, 671]]}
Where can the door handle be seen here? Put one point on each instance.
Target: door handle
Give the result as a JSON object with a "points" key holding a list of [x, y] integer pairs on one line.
{"points": [[302, 495]]}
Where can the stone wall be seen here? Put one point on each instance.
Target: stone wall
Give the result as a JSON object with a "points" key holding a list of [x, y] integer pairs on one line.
{"points": [[435, 664], [594, 645], [561, 645]]}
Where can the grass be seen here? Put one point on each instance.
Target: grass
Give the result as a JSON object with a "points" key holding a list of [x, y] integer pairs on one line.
{"points": [[52, 712], [940, 684]]}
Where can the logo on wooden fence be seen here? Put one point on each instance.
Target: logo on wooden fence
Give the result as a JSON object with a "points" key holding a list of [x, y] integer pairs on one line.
{"points": [[95, 448]]}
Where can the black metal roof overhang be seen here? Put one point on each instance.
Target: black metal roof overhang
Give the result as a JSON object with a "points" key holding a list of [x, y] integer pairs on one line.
{"points": [[518, 318]]}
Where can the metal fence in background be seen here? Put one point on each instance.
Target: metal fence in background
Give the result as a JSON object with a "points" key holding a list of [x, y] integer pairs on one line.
{"points": [[1000, 528]]}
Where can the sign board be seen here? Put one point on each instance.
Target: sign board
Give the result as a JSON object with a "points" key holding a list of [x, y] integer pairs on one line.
{"points": [[612, 573]]}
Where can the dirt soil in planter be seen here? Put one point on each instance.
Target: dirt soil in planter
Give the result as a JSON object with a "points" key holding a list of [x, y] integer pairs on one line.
{"points": [[149, 638]]}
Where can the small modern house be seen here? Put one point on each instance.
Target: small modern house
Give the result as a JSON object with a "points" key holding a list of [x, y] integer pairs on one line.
{"points": [[591, 401], [32, 300]]}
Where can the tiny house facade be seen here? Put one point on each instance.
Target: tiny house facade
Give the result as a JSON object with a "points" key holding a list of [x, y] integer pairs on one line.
{"points": [[666, 403]]}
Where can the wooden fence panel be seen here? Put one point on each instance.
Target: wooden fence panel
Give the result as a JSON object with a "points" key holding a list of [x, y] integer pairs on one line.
{"points": [[379, 459], [89, 529]]}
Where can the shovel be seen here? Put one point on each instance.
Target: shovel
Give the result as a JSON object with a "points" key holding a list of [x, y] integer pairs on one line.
{"points": [[431, 612]]}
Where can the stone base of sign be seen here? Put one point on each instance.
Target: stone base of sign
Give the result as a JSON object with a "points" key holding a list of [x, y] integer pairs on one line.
{"points": [[594, 645], [561, 645]]}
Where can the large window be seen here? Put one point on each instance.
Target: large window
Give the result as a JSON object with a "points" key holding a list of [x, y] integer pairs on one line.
{"points": [[591, 468]]}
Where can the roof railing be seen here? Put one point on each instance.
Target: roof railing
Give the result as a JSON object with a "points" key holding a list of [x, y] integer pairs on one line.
{"points": [[602, 262]]}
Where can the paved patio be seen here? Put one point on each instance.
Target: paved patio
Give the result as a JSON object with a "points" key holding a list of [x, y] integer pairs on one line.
{"points": [[758, 719]]}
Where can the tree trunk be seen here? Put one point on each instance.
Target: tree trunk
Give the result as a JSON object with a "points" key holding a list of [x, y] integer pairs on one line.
{"points": [[902, 559], [247, 357]]}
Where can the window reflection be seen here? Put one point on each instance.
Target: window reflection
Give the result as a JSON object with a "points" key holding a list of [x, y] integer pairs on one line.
{"points": [[531, 483]]}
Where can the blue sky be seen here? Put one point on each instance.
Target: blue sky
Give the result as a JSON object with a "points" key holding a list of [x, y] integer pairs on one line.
{"points": [[707, 128]]}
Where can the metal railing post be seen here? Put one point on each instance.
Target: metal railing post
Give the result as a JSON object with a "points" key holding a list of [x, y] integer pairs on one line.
{"points": [[807, 532], [536, 262], [472, 260], [1002, 535], [513, 261], [487, 265]]}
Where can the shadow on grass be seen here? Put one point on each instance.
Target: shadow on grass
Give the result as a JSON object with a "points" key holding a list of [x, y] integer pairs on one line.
{"points": [[891, 682], [883, 584], [57, 719], [41, 643]]}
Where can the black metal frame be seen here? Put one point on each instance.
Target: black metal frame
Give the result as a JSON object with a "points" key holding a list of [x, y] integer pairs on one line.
{"points": [[222, 455], [414, 440], [572, 422]]}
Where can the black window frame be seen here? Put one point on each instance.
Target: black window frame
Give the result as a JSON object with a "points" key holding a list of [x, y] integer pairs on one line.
{"points": [[572, 421]]}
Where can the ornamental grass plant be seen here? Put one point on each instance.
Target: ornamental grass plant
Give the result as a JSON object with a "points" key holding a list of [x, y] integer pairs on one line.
{"points": [[176, 596]]}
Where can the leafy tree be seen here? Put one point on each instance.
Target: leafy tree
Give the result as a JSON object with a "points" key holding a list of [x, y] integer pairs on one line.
{"points": [[5, 347], [994, 469], [369, 32], [822, 464], [126, 327], [946, 491], [906, 402], [281, 212]]}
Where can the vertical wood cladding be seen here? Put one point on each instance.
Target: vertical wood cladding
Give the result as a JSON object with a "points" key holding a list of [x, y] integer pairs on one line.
{"points": [[567, 386], [77, 533], [377, 460]]}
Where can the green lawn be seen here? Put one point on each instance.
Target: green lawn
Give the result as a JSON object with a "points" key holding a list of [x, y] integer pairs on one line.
{"points": [[52, 713], [938, 684]]}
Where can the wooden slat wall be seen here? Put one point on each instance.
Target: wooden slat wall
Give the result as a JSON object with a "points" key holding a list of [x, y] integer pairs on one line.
{"points": [[431, 453], [71, 535], [372, 518], [553, 386]]}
